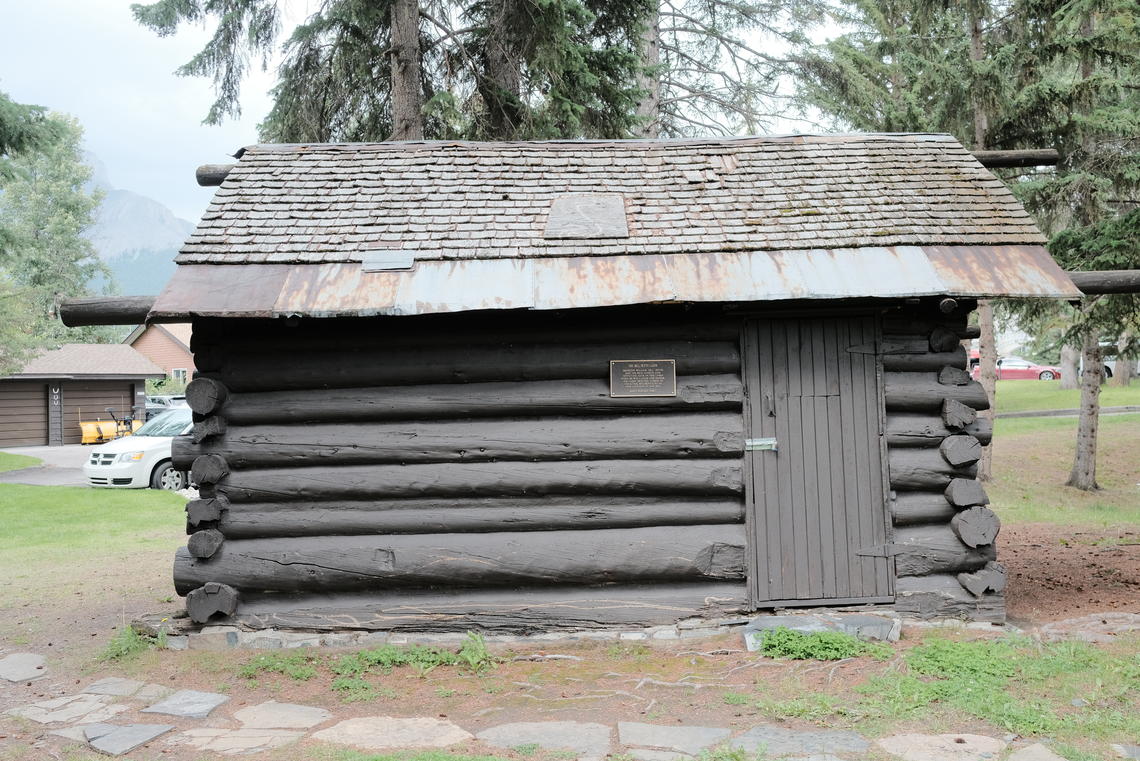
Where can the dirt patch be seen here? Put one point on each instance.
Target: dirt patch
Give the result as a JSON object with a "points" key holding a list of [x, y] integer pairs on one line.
{"points": [[1059, 572]]}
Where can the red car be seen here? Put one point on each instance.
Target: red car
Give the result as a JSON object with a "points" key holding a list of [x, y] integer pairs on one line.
{"points": [[1016, 368]]}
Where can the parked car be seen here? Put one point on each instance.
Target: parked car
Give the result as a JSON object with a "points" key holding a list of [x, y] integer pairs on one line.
{"points": [[1016, 368], [156, 405], [142, 459]]}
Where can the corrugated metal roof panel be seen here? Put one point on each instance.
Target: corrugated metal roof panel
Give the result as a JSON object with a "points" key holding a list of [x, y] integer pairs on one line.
{"points": [[432, 287]]}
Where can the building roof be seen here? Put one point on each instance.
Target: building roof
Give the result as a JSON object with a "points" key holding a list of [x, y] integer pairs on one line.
{"points": [[178, 331], [91, 361], [408, 228]]}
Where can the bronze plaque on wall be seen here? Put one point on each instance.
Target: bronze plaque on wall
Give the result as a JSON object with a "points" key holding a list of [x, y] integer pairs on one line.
{"points": [[643, 377]]}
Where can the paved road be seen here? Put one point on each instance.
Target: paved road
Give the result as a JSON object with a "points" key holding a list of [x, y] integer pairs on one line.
{"points": [[62, 466]]}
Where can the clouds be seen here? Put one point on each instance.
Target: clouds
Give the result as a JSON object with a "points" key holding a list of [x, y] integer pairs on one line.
{"points": [[90, 59]]}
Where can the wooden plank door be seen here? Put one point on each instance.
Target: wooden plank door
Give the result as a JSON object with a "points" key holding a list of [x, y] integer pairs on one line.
{"points": [[817, 508]]}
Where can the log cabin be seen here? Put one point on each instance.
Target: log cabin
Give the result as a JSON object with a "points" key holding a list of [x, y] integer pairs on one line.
{"points": [[521, 386]]}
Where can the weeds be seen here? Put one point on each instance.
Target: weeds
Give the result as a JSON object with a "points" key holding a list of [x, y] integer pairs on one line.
{"points": [[357, 690], [473, 654], [299, 667], [817, 646], [126, 644]]}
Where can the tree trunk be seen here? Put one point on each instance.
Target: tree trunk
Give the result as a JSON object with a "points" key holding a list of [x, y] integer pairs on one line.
{"points": [[987, 350], [977, 53], [1122, 373], [407, 88], [1083, 475], [649, 79], [501, 87], [1070, 364]]}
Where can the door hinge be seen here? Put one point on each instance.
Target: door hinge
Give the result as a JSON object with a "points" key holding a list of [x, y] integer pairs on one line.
{"points": [[760, 445]]}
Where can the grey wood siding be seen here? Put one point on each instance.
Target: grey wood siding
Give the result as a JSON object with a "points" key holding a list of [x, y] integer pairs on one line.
{"points": [[817, 504]]}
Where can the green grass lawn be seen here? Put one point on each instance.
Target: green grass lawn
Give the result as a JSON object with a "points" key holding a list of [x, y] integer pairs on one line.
{"points": [[61, 540], [1032, 458], [1020, 395], [9, 461]]}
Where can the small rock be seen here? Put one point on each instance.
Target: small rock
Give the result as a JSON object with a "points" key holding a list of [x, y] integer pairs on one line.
{"points": [[587, 740], [120, 740], [1078, 703], [1035, 752], [385, 732], [190, 704], [274, 715], [22, 667], [686, 739], [958, 747]]}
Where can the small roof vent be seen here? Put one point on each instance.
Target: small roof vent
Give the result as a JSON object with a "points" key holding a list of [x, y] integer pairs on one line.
{"points": [[587, 216], [387, 260]]}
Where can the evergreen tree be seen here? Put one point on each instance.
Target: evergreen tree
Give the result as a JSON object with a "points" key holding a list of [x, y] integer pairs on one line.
{"points": [[45, 210]]}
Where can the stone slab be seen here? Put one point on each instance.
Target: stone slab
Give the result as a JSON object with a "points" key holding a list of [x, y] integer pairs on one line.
{"points": [[78, 733], [22, 667], [861, 625], [234, 741], [1035, 752], [125, 739], [274, 715], [386, 732], [778, 741], [586, 739], [647, 754], [116, 686], [686, 739], [189, 704], [71, 709], [957, 747], [1126, 751]]}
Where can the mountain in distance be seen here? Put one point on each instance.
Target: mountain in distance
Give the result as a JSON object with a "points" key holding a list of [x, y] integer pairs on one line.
{"points": [[136, 236]]}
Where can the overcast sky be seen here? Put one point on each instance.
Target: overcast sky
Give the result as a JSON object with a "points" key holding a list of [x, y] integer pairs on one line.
{"points": [[90, 59]]}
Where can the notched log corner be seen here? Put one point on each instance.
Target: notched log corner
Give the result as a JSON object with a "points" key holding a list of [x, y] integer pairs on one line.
{"points": [[957, 416], [199, 511], [203, 544], [992, 578], [211, 599], [960, 450], [966, 492], [209, 469], [205, 396], [208, 427], [721, 561]]}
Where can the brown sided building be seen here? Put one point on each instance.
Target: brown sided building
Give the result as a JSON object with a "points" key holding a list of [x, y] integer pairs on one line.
{"points": [[168, 346]]}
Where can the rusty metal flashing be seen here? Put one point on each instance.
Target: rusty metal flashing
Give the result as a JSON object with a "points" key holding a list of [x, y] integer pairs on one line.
{"points": [[436, 287]]}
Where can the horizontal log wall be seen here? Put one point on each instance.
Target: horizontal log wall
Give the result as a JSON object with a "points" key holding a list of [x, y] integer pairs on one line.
{"points": [[352, 458], [943, 546]]}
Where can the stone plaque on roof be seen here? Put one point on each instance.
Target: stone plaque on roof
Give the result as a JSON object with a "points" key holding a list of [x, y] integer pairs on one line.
{"points": [[587, 216]]}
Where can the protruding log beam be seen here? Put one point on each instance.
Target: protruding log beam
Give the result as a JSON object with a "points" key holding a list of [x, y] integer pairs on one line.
{"points": [[517, 610], [921, 468], [1018, 158], [210, 599], [976, 526], [349, 563], [1107, 281], [916, 429], [474, 400], [918, 507], [679, 435], [203, 544], [961, 450], [105, 310], [943, 339], [451, 364], [905, 323], [915, 392], [953, 376], [923, 550], [992, 578], [209, 469], [957, 416], [199, 511], [212, 175], [442, 516], [911, 363], [708, 478], [206, 396], [942, 596], [966, 492]]}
